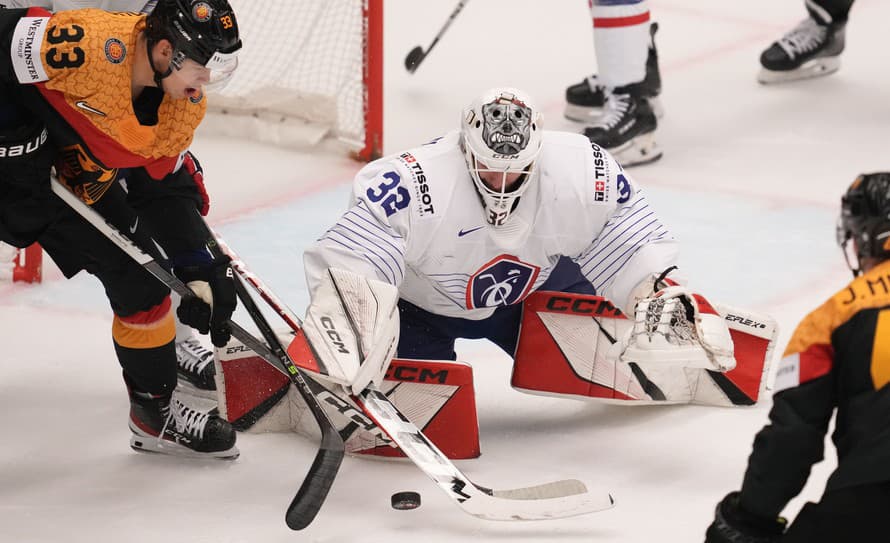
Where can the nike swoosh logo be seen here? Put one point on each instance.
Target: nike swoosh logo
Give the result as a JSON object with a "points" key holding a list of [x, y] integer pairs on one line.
{"points": [[135, 224], [463, 232], [82, 104]]}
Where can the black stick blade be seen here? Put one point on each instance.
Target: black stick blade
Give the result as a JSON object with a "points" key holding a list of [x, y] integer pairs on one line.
{"points": [[314, 490], [412, 61]]}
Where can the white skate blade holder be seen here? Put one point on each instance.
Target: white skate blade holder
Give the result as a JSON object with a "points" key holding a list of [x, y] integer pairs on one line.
{"points": [[816, 67], [642, 149]]}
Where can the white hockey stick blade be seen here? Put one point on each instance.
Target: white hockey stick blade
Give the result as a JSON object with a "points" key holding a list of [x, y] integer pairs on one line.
{"points": [[560, 499]]}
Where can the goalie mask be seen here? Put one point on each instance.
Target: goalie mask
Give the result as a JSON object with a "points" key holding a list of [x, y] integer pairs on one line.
{"points": [[501, 139], [204, 31], [865, 220]]}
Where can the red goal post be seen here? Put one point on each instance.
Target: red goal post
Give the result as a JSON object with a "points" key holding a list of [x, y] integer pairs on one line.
{"points": [[25, 265], [309, 71]]}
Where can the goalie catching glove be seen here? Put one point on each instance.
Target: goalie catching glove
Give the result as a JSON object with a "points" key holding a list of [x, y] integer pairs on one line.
{"points": [[353, 326], [679, 327]]}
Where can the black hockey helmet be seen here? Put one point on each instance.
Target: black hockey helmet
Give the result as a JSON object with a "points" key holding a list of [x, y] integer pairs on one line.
{"points": [[865, 219], [205, 31]]}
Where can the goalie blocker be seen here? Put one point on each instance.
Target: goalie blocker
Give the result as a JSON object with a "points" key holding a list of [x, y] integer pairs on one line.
{"points": [[438, 396], [573, 345]]}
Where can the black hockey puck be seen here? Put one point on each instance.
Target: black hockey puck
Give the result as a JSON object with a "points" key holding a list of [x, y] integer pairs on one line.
{"points": [[405, 501]]}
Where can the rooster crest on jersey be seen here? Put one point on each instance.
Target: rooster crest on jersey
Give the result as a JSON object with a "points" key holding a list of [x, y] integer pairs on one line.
{"points": [[501, 132]]}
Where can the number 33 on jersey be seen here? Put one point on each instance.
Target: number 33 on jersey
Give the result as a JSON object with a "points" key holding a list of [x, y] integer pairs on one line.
{"points": [[82, 64]]}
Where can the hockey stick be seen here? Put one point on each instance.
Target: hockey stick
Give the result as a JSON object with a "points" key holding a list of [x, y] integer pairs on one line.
{"points": [[554, 500], [416, 55], [314, 489]]}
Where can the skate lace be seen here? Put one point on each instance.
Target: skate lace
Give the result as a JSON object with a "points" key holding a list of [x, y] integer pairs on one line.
{"points": [[186, 420], [614, 109], [196, 356], [805, 37]]}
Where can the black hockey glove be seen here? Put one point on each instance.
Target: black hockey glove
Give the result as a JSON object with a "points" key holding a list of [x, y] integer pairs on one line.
{"points": [[25, 155], [732, 524], [214, 301]]}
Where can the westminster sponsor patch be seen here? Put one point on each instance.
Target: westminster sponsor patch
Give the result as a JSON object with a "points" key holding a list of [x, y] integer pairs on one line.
{"points": [[26, 43]]}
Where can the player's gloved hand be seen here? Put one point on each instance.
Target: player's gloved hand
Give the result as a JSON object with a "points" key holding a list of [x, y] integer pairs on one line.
{"points": [[214, 302], [193, 169], [732, 524], [26, 155]]}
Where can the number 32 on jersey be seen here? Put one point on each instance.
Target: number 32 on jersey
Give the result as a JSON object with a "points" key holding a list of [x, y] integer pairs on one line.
{"points": [[389, 194]]}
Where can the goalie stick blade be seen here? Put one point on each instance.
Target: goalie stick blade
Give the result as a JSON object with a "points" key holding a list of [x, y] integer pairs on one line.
{"points": [[555, 500], [311, 496]]}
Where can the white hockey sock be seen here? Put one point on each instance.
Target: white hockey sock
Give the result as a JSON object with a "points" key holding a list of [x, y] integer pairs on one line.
{"points": [[621, 42]]}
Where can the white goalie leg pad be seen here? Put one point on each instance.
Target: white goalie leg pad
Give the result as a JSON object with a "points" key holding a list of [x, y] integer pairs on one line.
{"points": [[353, 324], [679, 327]]}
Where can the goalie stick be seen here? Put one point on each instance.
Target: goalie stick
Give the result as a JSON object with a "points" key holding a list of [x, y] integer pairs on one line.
{"points": [[314, 489], [553, 500], [416, 55]]}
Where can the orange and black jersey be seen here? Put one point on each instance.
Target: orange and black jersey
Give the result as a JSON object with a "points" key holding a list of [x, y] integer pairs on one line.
{"points": [[76, 69], [838, 359]]}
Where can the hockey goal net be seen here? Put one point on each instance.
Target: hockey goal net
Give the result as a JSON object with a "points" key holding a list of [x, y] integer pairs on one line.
{"points": [[309, 70]]}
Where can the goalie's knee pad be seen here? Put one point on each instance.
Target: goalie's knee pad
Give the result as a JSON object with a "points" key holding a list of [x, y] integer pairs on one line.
{"points": [[438, 396]]}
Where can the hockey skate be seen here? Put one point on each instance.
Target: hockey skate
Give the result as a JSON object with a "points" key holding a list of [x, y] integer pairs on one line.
{"points": [[811, 49], [197, 373], [627, 127], [585, 100], [164, 424]]}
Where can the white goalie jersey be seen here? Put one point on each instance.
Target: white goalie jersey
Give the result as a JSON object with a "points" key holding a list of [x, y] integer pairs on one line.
{"points": [[417, 222]]}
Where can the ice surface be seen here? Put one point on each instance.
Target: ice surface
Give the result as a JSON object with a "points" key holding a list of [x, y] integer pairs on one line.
{"points": [[750, 182]]}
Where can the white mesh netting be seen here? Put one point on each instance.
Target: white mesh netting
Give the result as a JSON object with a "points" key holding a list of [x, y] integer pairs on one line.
{"points": [[300, 73]]}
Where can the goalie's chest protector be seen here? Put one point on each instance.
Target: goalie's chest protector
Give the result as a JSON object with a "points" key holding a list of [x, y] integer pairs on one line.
{"points": [[458, 265]]}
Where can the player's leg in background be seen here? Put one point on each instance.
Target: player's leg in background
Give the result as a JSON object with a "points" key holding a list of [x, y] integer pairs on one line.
{"points": [[810, 49], [623, 37]]}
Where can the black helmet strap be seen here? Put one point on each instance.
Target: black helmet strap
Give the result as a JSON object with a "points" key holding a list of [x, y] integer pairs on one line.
{"points": [[158, 77]]}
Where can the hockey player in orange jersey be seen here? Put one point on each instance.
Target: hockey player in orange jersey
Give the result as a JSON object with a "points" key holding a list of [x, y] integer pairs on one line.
{"points": [[838, 360], [91, 93]]}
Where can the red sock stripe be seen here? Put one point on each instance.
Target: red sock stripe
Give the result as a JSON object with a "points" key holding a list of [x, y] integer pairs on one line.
{"points": [[149, 316], [614, 22], [148, 329]]}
